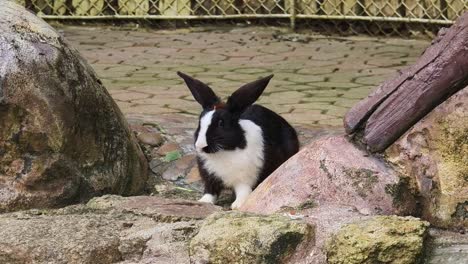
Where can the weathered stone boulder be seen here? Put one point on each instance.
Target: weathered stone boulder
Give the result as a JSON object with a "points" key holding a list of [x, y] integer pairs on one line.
{"points": [[160, 209], [110, 229], [382, 239], [143, 229], [327, 220], [333, 170], [440, 246], [235, 237], [434, 154], [62, 137]]}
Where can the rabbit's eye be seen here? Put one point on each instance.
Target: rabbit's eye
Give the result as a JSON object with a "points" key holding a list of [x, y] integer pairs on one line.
{"points": [[221, 123]]}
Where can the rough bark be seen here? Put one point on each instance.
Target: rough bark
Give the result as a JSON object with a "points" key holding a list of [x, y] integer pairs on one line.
{"points": [[400, 102]]}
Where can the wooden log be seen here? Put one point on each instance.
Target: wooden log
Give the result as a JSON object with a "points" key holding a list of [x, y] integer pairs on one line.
{"points": [[400, 102]]}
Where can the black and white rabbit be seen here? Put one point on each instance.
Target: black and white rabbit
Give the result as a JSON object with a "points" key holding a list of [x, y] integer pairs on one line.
{"points": [[238, 144]]}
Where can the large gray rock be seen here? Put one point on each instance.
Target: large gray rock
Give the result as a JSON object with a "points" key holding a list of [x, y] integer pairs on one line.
{"points": [[62, 137], [108, 229], [160, 209]]}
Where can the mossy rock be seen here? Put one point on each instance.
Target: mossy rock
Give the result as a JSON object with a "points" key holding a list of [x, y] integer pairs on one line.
{"points": [[235, 237], [382, 239], [433, 155], [109, 229]]}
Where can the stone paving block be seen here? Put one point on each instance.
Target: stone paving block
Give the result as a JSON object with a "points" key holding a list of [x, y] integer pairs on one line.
{"points": [[149, 109], [174, 91], [280, 109], [114, 86], [315, 81], [179, 104], [307, 78], [115, 43], [129, 96], [310, 112], [330, 92], [335, 110], [346, 102], [336, 85], [357, 93], [338, 122], [372, 79], [306, 118], [165, 83], [276, 100]]}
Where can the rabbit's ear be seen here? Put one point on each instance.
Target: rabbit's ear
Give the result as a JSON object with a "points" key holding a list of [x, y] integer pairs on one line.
{"points": [[200, 91], [247, 94]]}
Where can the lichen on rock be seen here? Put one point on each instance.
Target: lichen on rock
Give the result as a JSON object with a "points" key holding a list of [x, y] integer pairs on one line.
{"points": [[111, 229], [234, 237], [363, 180], [381, 239], [433, 155]]}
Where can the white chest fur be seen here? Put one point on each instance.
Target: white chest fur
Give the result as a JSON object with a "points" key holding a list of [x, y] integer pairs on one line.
{"points": [[239, 166]]}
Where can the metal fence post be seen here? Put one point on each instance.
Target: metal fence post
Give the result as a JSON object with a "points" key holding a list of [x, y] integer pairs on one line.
{"points": [[293, 14]]}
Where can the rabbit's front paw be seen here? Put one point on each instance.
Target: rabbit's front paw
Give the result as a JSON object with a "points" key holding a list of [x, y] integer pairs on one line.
{"points": [[237, 204], [208, 198], [242, 193]]}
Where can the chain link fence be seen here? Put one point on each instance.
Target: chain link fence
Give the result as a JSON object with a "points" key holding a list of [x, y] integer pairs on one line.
{"points": [[344, 16]]}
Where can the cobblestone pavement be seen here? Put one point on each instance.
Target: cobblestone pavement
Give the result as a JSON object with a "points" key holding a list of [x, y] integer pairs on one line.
{"points": [[316, 78]]}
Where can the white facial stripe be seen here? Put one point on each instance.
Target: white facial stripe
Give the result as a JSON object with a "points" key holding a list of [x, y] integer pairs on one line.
{"points": [[205, 122]]}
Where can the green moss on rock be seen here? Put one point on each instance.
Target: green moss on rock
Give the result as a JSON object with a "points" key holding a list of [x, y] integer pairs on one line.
{"points": [[433, 154], [363, 180], [382, 239], [402, 192], [234, 237], [307, 205]]}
